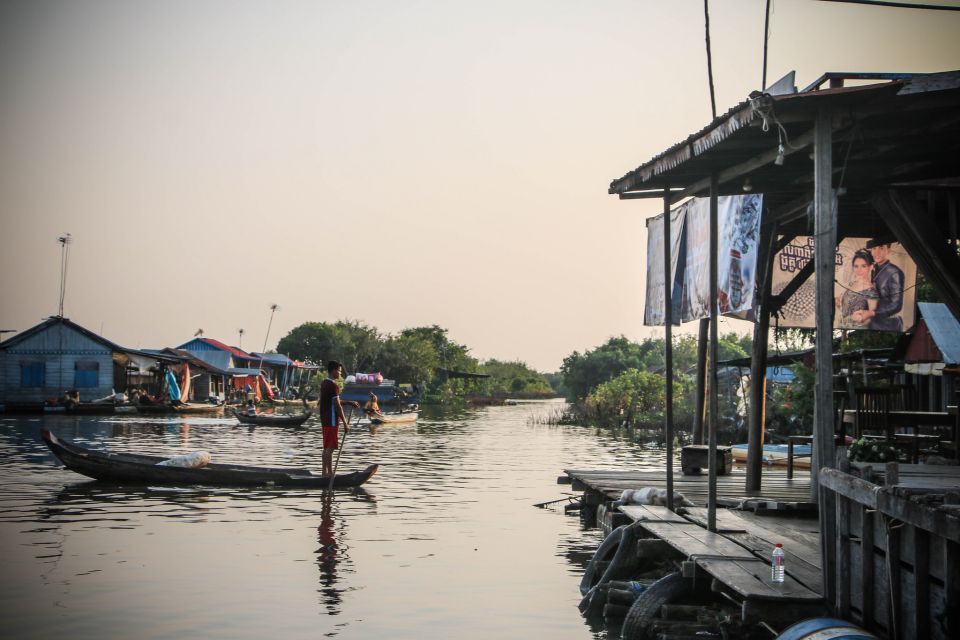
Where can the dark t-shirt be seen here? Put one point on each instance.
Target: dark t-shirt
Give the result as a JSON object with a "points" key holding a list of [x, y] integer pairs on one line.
{"points": [[329, 392]]}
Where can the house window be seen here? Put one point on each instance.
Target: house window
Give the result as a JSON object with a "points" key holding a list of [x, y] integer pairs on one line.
{"points": [[86, 375], [33, 374]]}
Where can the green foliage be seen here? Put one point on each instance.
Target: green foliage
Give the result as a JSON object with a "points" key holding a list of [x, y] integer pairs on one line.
{"points": [[514, 378], [583, 372], [863, 450], [354, 344], [408, 358], [631, 395]]}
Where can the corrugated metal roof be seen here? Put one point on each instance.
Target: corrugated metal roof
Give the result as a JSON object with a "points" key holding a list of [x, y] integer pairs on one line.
{"points": [[944, 329], [686, 163]]}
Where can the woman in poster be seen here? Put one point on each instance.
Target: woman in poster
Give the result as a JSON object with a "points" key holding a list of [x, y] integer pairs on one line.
{"points": [[860, 295]]}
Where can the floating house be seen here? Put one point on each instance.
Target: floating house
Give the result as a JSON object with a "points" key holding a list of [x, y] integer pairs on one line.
{"points": [[775, 187], [58, 355]]}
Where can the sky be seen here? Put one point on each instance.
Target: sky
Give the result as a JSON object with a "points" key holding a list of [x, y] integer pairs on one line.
{"points": [[398, 163]]}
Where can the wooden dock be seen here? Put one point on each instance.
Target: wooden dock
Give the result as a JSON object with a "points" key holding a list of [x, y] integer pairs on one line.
{"points": [[778, 492]]}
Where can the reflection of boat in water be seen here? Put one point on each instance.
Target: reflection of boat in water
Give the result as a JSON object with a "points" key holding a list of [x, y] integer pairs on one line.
{"points": [[274, 419], [134, 468], [191, 408], [395, 418], [776, 454]]}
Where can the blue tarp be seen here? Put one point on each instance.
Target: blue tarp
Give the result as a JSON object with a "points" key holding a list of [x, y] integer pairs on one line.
{"points": [[174, 388]]}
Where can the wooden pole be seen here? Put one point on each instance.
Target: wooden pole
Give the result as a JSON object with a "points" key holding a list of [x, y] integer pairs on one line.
{"points": [[825, 230], [668, 341], [714, 403], [698, 418], [758, 365]]}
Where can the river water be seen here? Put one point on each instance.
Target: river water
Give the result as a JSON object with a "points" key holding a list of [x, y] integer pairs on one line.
{"points": [[444, 542]]}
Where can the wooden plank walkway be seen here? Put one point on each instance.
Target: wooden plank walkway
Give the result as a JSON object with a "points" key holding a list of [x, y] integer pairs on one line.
{"points": [[738, 555], [778, 492]]}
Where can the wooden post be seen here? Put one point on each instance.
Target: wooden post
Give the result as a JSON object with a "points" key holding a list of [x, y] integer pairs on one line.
{"points": [[714, 403], [698, 418], [668, 341], [758, 366], [867, 517], [825, 230]]}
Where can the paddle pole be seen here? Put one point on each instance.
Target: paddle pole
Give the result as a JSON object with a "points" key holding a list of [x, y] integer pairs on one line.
{"points": [[346, 428]]}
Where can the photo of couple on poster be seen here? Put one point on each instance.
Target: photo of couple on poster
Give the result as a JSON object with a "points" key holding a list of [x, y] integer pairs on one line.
{"points": [[873, 296]]}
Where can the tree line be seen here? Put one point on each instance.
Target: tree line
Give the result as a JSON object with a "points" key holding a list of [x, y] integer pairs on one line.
{"points": [[417, 355]]}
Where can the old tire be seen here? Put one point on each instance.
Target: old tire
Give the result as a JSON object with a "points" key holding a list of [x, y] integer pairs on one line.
{"points": [[607, 549], [646, 608]]}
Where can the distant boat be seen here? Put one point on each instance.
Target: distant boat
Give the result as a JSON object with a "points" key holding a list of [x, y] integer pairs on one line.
{"points": [[274, 419], [140, 469], [394, 418], [776, 454]]}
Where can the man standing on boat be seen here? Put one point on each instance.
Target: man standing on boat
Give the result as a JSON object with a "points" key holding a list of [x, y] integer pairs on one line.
{"points": [[331, 414]]}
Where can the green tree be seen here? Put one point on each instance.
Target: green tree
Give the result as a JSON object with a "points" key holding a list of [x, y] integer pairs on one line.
{"points": [[514, 378], [630, 396], [451, 355], [583, 372], [354, 344], [409, 358]]}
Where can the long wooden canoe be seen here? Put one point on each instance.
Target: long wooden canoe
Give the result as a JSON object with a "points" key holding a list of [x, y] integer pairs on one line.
{"points": [[394, 418], [140, 469], [274, 419]]}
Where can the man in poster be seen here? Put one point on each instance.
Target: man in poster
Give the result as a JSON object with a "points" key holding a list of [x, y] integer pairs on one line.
{"points": [[888, 281]]}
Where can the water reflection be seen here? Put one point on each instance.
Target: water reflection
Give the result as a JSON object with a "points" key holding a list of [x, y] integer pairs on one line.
{"points": [[327, 556], [449, 513]]}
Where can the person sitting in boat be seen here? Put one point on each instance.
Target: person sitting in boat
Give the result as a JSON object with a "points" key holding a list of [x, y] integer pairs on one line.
{"points": [[372, 408], [250, 409]]}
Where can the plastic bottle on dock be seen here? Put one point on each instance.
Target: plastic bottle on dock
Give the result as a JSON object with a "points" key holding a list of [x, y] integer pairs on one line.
{"points": [[776, 568]]}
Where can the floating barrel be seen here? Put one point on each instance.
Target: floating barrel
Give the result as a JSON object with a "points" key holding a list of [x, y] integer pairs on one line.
{"points": [[825, 629]]}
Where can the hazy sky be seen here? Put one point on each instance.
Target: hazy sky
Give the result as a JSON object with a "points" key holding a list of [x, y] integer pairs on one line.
{"points": [[401, 163]]}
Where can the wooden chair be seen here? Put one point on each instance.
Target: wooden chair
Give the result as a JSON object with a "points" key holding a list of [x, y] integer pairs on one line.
{"points": [[872, 416]]}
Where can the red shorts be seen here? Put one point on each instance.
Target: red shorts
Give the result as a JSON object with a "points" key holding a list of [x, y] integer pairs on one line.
{"points": [[331, 437]]}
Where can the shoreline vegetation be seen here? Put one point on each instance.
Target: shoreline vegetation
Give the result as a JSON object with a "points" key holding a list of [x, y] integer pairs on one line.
{"points": [[424, 356]]}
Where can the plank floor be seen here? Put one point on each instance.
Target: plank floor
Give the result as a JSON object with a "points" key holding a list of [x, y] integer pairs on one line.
{"points": [[777, 491]]}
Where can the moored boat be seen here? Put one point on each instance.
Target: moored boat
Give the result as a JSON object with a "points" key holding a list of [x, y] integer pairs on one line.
{"points": [[394, 418], [275, 419], [141, 469], [776, 454]]}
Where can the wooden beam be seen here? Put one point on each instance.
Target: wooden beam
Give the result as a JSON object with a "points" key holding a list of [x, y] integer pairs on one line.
{"points": [[668, 341], [703, 339], [926, 243], [758, 363], [714, 351], [825, 231], [797, 143]]}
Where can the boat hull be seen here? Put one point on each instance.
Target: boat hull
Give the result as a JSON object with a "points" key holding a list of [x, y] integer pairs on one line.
{"points": [[141, 469], [396, 418], [274, 419], [776, 455]]}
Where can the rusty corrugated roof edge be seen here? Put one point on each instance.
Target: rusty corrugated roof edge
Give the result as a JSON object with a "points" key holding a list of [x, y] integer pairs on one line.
{"points": [[724, 126]]}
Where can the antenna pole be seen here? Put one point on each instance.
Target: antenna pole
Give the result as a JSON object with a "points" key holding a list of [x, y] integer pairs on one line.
{"points": [[64, 241]]}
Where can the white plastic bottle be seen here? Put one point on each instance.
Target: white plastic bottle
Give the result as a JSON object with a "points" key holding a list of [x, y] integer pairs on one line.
{"points": [[776, 568]]}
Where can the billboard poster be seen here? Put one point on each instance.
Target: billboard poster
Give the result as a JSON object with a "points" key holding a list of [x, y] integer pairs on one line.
{"points": [[873, 284], [738, 232], [654, 312]]}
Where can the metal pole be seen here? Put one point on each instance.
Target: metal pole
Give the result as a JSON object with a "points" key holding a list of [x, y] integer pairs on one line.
{"points": [[668, 341], [714, 404]]}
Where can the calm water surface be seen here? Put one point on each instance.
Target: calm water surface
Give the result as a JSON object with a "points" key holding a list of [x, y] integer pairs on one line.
{"points": [[444, 542]]}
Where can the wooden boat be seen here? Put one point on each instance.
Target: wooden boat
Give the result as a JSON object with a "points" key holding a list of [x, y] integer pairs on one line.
{"points": [[275, 419], [394, 418], [776, 454], [140, 469], [200, 408]]}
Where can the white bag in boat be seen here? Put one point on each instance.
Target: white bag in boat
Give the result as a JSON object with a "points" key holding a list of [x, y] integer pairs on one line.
{"points": [[193, 460]]}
